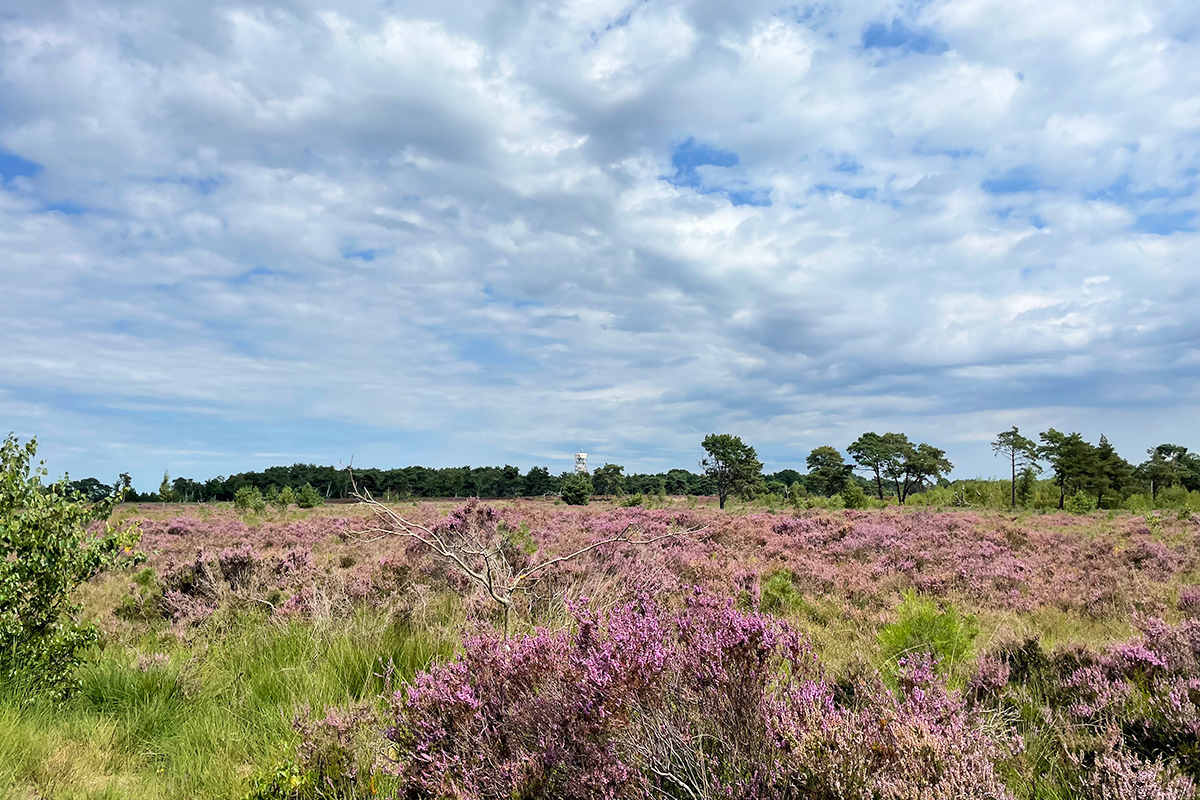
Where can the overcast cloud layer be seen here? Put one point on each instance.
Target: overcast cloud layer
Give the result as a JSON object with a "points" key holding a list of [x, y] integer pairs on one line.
{"points": [[466, 232]]}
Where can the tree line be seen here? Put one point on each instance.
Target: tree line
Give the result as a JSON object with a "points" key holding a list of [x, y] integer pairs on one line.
{"points": [[887, 466]]}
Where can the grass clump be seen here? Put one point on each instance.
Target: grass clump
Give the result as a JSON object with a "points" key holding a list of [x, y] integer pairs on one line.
{"points": [[924, 627], [206, 717]]}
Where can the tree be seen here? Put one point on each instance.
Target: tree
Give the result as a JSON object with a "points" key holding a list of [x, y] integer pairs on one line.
{"points": [[732, 465], [92, 489], [46, 551], [577, 489], [166, 493], [285, 498], [609, 479], [1021, 452], [249, 498], [788, 477], [828, 472], [917, 465], [1073, 460], [879, 455], [1115, 474], [309, 497], [539, 482], [1168, 465]]}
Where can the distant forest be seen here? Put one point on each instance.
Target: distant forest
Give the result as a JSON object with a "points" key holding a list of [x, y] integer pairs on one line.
{"points": [[1093, 475]]}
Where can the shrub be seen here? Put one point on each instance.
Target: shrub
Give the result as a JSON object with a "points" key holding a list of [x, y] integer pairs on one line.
{"points": [[285, 498], [45, 553], [1080, 503], [632, 501], [853, 495], [577, 489], [922, 627], [309, 497], [707, 702], [249, 498], [779, 595]]}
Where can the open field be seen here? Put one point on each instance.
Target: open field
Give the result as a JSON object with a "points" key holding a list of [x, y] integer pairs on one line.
{"points": [[748, 654]]}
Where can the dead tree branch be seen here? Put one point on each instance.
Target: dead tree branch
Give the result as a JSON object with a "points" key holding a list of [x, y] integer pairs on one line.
{"points": [[483, 563]]}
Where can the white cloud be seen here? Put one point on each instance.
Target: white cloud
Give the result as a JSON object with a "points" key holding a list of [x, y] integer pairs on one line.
{"points": [[457, 228]]}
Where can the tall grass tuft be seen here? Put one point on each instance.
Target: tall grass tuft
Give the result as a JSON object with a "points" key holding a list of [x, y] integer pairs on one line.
{"points": [[202, 719]]}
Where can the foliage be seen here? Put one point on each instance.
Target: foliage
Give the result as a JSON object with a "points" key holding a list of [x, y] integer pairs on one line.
{"points": [[45, 553], [853, 495], [733, 466], [309, 497], [922, 627], [1080, 503], [577, 489], [828, 473], [609, 479], [249, 498], [705, 702]]}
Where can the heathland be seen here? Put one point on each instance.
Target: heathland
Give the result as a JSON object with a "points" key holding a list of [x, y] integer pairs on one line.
{"points": [[691, 652]]}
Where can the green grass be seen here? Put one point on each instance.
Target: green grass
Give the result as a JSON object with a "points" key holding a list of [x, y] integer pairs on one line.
{"points": [[204, 724]]}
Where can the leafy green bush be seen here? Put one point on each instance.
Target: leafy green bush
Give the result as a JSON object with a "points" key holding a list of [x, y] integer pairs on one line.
{"points": [[853, 495], [779, 594], [249, 498], [1138, 503], [45, 553], [1080, 503], [632, 501], [923, 627], [577, 489], [309, 497], [1174, 497], [285, 498]]}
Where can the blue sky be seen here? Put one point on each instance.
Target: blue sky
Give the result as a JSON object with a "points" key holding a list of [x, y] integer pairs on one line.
{"points": [[234, 235]]}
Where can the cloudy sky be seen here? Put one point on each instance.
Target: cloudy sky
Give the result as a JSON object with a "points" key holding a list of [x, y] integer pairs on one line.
{"points": [[235, 235]]}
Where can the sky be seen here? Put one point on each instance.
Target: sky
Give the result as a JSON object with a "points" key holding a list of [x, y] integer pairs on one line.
{"points": [[235, 235]]}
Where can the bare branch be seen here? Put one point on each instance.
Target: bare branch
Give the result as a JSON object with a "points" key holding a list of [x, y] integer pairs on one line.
{"points": [[464, 550]]}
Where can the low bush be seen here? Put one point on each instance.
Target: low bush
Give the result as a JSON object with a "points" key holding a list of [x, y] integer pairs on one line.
{"points": [[922, 628], [577, 489], [854, 497], [249, 498], [779, 594], [46, 552], [706, 702], [1080, 503], [309, 497]]}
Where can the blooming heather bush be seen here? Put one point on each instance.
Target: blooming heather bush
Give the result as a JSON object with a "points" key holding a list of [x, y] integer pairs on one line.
{"points": [[1189, 600], [1144, 693], [1079, 565], [706, 702], [1118, 775]]}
